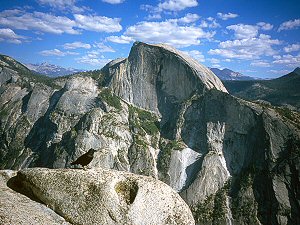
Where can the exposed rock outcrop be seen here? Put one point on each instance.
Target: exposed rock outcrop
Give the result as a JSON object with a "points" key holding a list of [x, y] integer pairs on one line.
{"points": [[161, 114], [18, 209], [155, 76], [91, 196]]}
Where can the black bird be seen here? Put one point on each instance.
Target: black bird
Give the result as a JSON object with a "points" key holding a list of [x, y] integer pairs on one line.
{"points": [[85, 159]]}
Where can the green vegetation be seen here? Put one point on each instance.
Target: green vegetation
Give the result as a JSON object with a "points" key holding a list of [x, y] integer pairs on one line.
{"points": [[285, 112], [110, 98], [213, 209], [243, 205], [4, 113], [244, 208], [143, 119], [166, 147]]}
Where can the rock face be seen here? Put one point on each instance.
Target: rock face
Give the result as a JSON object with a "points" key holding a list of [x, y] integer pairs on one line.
{"points": [[98, 197], [154, 76], [161, 114], [16, 208]]}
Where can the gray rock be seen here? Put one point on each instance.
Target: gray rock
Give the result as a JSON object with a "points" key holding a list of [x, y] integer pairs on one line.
{"points": [[98, 196], [160, 114], [16, 208], [153, 73]]}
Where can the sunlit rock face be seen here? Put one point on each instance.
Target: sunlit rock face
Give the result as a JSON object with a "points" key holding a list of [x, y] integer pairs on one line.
{"points": [[159, 113], [93, 196]]}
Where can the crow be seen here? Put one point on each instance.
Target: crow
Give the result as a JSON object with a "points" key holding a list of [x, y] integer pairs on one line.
{"points": [[85, 159]]}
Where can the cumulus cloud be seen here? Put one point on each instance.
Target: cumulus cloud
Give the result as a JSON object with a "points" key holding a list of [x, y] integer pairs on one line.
{"points": [[120, 39], [10, 36], [242, 31], [56, 52], [177, 5], [49, 23], [93, 58], [288, 60], [226, 16], [103, 48], [168, 32], [37, 21], [247, 48], [260, 63], [214, 61], [196, 55], [188, 18], [209, 23], [98, 23], [76, 44], [265, 26], [113, 1], [168, 6], [289, 25], [282, 72], [292, 48], [63, 5]]}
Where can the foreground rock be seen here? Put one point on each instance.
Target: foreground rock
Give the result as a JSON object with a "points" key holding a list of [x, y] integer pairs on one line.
{"points": [[98, 196], [18, 209]]}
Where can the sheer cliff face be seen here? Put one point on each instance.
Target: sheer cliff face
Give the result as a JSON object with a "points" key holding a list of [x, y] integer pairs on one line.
{"points": [[162, 114], [155, 75]]}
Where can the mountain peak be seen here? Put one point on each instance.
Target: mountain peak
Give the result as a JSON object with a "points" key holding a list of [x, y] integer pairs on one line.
{"points": [[51, 70], [228, 74]]}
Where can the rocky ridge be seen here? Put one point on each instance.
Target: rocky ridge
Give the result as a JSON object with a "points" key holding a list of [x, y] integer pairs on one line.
{"points": [[161, 114], [51, 70]]}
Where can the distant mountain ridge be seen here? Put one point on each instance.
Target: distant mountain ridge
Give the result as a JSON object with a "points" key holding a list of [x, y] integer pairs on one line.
{"points": [[282, 91], [227, 74], [51, 70]]}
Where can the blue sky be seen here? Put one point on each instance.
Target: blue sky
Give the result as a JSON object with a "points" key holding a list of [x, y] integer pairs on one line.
{"points": [[259, 38]]}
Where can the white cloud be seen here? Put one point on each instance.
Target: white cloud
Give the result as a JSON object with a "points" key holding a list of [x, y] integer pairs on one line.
{"points": [[168, 6], [196, 55], [224, 16], [167, 32], [265, 26], [260, 63], [10, 36], [38, 21], [113, 1], [282, 72], [76, 44], [188, 18], [242, 31], [93, 58], [177, 5], [292, 48], [103, 48], [216, 66], [63, 5], [119, 39], [247, 48], [49, 23], [56, 52], [209, 23], [214, 61], [98, 23], [289, 25], [288, 60]]}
